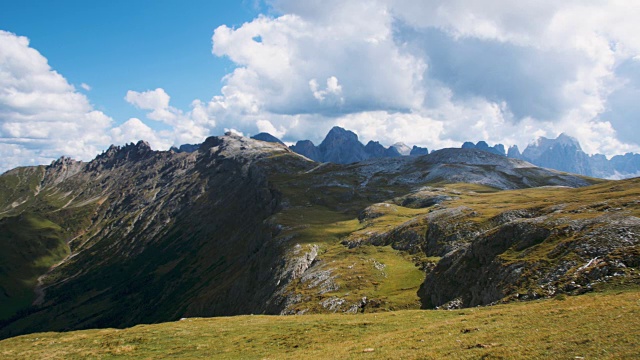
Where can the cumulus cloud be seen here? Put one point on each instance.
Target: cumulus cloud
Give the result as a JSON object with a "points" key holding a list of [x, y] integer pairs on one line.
{"points": [[42, 116], [467, 70], [87, 87], [134, 129], [433, 73], [191, 127]]}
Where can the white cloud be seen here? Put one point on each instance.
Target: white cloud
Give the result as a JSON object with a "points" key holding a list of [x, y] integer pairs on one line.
{"points": [[432, 73], [492, 70], [134, 129], [85, 86], [267, 126], [333, 89], [191, 127], [42, 116]]}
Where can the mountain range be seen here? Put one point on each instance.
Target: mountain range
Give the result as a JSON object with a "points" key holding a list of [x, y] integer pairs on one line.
{"points": [[564, 153], [246, 226]]}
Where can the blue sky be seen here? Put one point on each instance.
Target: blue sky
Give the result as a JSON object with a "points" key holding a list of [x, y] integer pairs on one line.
{"points": [[77, 76], [118, 45]]}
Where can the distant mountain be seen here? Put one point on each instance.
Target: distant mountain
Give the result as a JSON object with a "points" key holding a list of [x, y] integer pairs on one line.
{"points": [[416, 150], [243, 226], [308, 149], [402, 148], [483, 146], [565, 154], [342, 146], [263, 136], [375, 150]]}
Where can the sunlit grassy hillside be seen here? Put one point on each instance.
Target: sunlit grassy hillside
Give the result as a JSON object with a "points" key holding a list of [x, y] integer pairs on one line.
{"points": [[593, 326]]}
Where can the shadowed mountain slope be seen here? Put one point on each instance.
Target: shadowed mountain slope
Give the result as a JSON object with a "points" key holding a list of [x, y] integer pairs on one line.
{"points": [[243, 226]]}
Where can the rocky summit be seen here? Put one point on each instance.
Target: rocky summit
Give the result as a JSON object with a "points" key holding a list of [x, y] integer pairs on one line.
{"points": [[245, 226]]}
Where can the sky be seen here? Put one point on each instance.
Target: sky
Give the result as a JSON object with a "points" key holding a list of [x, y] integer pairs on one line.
{"points": [[77, 76]]}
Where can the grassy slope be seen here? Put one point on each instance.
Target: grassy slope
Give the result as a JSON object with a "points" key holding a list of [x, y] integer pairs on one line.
{"points": [[33, 234], [324, 215], [598, 325], [30, 245]]}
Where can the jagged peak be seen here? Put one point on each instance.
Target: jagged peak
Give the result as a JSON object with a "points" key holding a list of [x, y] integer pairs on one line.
{"points": [[63, 161], [337, 132], [115, 153], [565, 139], [562, 139]]}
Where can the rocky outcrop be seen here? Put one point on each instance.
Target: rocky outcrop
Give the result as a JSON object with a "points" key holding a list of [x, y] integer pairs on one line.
{"points": [[509, 262]]}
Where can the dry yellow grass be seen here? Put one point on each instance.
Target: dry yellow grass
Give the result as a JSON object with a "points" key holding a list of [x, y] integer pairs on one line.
{"points": [[598, 325]]}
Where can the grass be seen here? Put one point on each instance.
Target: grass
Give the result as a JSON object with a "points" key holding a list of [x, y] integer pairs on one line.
{"points": [[598, 325], [30, 245], [578, 203]]}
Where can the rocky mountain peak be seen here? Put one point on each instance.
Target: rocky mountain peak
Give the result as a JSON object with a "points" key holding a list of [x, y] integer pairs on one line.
{"points": [[342, 146], [566, 140], [339, 135], [542, 144], [118, 155]]}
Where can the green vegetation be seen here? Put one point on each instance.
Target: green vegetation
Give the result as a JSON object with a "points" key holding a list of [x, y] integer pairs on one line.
{"points": [[30, 245], [599, 325], [578, 203]]}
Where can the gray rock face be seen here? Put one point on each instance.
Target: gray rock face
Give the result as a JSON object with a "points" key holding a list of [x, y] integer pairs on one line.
{"points": [[475, 274], [565, 154], [342, 147], [375, 150]]}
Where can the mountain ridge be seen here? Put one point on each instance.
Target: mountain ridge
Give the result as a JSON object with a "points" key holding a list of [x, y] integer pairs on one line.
{"points": [[245, 226]]}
